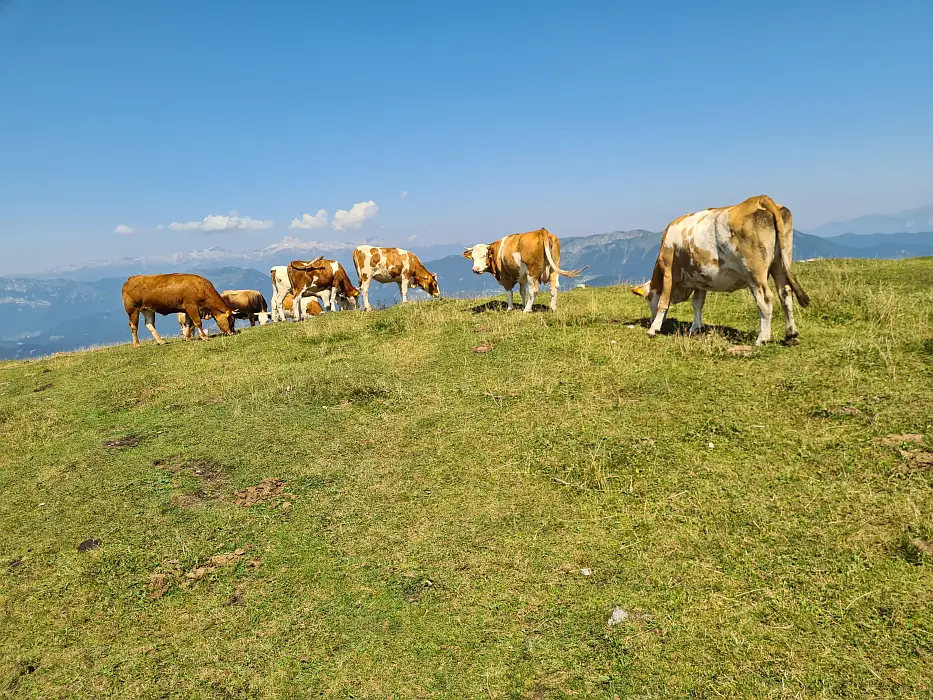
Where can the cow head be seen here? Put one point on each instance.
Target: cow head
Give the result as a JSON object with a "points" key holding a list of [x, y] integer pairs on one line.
{"points": [[264, 317], [429, 284], [480, 255], [348, 301], [650, 295], [225, 322]]}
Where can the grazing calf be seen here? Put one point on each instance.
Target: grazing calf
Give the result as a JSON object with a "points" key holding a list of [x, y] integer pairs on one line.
{"points": [[392, 265], [174, 293], [324, 278], [529, 259], [722, 250]]}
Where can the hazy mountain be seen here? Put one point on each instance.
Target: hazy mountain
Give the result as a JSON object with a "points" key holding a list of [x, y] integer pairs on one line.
{"points": [[211, 258], [910, 221], [41, 316]]}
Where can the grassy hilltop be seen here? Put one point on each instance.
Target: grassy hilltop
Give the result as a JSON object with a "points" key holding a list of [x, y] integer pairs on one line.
{"points": [[747, 509]]}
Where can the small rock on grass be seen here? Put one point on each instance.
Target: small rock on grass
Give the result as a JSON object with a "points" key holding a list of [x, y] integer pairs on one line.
{"points": [[617, 617]]}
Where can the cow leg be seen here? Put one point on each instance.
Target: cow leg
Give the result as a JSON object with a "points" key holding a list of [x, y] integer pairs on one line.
{"points": [[186, 328], [763, 297], [664, 302], [786, 295], [509, 294], [333, 299], [523, 290], [699, 298], [278, 299], [403, 289], [364, 289], [134, 326], [554, 283], [532, 293], [149, 317]]}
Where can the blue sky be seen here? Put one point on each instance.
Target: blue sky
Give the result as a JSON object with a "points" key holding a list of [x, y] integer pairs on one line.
{"points": [[494, 117]]}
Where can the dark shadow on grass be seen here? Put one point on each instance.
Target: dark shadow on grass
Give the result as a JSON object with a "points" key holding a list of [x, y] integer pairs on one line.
{"points": [[674, 327], [498, 305]]}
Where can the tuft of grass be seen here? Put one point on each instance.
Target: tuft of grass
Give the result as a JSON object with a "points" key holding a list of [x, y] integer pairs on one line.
{"points": [[746, 509]]}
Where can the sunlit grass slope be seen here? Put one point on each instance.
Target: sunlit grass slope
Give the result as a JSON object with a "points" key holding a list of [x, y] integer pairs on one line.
{"points": [[739, 506]]}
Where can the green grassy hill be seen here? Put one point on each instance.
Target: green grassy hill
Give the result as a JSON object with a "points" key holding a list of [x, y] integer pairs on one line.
{"points": [[460, 524]]}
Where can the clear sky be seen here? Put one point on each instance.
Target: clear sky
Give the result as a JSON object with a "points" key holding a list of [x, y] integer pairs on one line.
{"points": [[493, 117]]}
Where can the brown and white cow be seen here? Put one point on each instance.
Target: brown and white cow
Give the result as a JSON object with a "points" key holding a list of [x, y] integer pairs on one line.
{"points": [[245, 303], [326, 279], [174, 293], [722, 250], [529, 259], [392, 265]]}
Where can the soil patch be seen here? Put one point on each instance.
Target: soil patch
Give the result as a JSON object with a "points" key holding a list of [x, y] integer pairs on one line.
{"points": [[269, 489], [123, 442], [740, 350], [42, 387], [88, 545], [917, 459], [485, 347], [171, 573], [896, 440]]}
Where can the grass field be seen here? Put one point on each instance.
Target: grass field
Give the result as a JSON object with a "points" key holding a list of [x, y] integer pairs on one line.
{"points": [[741, 508]]}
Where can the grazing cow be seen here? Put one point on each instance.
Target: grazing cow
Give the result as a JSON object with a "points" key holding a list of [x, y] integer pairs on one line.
{"points": [[245, 304], [325, 278], [173, 293], [530, 259], [392, 265], [722, 250]]}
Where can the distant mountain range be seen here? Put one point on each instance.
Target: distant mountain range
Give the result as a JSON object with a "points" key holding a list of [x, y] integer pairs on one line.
{"points": [[76, 308], [910, 221]]}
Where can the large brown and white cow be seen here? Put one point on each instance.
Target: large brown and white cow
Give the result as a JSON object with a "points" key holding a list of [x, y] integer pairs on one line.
{"points": [[529, 259], [247, 304], [722, 250], [325, 279], [174, 293], [392, 265]]}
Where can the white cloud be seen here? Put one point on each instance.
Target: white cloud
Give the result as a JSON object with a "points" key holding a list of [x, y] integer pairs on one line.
{"points": [[123, 228], [220, 222], [404, 195], [344, 220], [412, 238], [319, 220]]}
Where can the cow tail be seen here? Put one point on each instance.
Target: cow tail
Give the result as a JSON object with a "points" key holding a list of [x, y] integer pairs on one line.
{"points": [[784, 241], [555, 266]]}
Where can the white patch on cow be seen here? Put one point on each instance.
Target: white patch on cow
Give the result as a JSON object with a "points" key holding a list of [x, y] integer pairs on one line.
{"points": [[280, 289]]}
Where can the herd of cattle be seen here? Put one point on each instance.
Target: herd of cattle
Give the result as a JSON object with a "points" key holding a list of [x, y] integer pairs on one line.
{"points": [[714, 250]]}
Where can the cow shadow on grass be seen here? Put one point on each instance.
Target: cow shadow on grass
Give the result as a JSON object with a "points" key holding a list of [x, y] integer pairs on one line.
{"points": [[674, 327], [497, 305]]}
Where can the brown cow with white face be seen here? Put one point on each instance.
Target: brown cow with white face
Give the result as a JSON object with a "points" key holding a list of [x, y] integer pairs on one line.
{"points": [[392, 265], [722, 250], [325, 278], [529, 259], [174, 293]]}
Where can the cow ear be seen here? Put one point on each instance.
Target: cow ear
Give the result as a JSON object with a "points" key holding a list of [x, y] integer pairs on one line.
{"points": [[639, 290], [468, 253]]}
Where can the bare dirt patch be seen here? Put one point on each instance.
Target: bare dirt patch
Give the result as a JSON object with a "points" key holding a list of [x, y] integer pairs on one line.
{"points": [[269, 489], [124, 442], [918, 459], [43, 387], [485, 347], [897, 440], [170, 573], [740, 350], [88, 545]]}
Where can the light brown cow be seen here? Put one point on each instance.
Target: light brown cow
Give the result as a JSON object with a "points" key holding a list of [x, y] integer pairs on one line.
{"points": [[310, 306], [245, 303], [722, 250], [392, 265], [529, 259], [174, 293], [325, 278]]}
